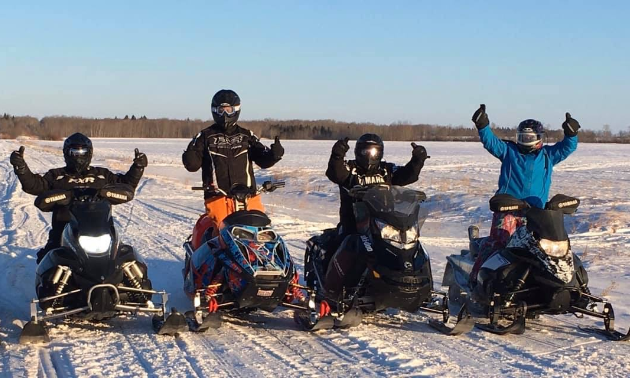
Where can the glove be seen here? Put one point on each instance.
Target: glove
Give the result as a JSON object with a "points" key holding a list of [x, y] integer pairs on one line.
{"points": [[340, 148], [480, 118], [17, 160], [276, 148], [141, 159], [570, 126], [418, 154]]}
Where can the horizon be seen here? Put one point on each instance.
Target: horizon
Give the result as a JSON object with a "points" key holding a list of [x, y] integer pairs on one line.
{"points": [[412, 62]]}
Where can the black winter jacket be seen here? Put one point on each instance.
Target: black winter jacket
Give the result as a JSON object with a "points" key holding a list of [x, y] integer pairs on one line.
{"points": [[60, 178], [226, 159], [347, 175]]}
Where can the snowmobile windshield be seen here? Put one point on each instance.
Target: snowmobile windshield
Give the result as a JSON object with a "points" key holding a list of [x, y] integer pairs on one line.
{"points": [[547, 224], [92, 218], [395, 205]]}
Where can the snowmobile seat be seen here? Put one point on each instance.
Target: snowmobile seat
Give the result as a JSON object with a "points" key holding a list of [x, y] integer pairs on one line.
{"points": [[254, 218]]}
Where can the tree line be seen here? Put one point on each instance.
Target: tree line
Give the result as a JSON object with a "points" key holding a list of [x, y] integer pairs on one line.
{"points": [[59, 127]]}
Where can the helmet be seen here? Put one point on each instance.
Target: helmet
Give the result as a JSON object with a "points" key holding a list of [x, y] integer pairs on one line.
{"points": [[529, 136], [77, 152], [368, 151], [226, 107]]}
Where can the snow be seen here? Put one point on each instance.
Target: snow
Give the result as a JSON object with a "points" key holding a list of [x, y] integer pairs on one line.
{"points": [[459, 178]]}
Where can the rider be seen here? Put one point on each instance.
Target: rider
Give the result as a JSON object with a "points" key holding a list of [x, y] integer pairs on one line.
{"points": [[77, 153], [366, 169], [526, 169], [225, 151]]}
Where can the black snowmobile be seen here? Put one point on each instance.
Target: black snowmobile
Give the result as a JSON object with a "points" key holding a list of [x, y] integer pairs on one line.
{"points": [[394, 270], [247, 267], [537, 273], [93, 275]]}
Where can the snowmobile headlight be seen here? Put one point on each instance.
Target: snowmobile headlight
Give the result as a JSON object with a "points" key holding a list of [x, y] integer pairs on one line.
{"points": [[388, 232], [95, 244], [556, 249], [411, 235]]}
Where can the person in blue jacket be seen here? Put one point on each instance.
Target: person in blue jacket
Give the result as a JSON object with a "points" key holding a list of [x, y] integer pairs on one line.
{"points": [[526, 169]]}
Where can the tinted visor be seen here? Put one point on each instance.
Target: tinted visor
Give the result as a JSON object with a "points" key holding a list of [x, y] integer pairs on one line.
{"points": [[226, 109], [77, 151], [373, 152]]}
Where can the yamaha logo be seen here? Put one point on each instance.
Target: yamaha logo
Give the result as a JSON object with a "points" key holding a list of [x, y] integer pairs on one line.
{"points": [[568, 203], [116, 195], [55, 198]]}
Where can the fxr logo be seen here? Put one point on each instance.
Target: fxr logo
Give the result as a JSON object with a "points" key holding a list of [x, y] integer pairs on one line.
{"points": [[85, 180], [366, 243]]}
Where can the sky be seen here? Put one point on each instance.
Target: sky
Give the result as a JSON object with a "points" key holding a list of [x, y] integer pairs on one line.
{"points": [[412, 61]]}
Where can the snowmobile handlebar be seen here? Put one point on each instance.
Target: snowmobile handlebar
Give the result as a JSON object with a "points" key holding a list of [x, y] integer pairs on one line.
{"points": [[113, 193], [266, 187]]}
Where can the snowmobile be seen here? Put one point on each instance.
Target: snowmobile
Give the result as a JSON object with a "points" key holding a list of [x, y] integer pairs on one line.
{"points": [[537, 273], [93, 276], [396, 269], [247, 267]]}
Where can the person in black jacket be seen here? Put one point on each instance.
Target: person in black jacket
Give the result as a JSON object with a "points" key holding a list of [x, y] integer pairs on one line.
{"points": [[225, 151], [77, 153], [366, 169]]}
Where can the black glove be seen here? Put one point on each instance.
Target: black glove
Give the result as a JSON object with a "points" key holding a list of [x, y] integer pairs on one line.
{"points": [[480, 118], [17, 160], [141, 159], [276, 148], [570, 126], [419, 153], [340, 148]]}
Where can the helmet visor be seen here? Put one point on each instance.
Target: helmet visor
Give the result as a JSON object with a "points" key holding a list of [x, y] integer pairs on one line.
{"points": [[78, 151], [528, 138], [226, 109], [373, 153]]}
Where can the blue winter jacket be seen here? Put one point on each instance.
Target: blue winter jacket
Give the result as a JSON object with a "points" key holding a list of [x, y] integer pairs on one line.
{"points": [[526, 176]]}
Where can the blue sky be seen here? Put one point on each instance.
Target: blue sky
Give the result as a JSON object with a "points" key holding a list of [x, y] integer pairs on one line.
{"points": [[418, 61]]}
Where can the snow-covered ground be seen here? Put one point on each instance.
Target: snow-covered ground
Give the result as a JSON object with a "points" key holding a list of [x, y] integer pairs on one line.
{"points": [[459, 179]]}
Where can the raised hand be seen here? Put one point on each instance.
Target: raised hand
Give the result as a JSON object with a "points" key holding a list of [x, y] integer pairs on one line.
{"points": [[340, 147], [570, 126], [480, 118], [419, 153], [17, 160], [141, 159], [276, 148]]}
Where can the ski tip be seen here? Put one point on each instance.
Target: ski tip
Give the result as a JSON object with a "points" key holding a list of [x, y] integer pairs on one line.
{"points": [[34, 333]]}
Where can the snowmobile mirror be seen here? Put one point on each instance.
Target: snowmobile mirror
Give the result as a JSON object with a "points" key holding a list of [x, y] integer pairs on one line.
{"points": [[568, 205], [501, 203], [117, 193], [49, 200]]}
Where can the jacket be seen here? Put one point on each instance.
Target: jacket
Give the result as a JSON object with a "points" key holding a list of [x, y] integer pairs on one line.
{"points": [[347, 174], [526, 176], [225, 158]]}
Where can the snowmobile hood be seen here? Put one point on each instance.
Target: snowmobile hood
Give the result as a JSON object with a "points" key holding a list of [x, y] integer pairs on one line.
{"points": [[395, 205]]}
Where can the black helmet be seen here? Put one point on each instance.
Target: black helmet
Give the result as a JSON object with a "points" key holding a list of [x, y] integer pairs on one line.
{"points": [[226, 107], [529, 136], [368, 151], [77, 152]]}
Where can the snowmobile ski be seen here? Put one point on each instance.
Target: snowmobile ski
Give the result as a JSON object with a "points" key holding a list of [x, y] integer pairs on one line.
{"points": [[465, 323], [34, 332], [173, 324], [609, 323]]}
